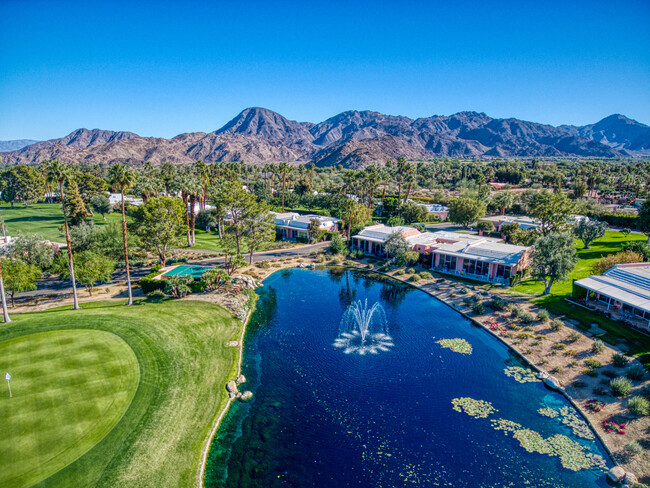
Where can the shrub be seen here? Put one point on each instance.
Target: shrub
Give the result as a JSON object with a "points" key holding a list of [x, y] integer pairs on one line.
{"points": [[384, 269], [410, 271], [514, 327], [497, 304], [177, 287], [415, 277], [197, 286], [478, 308], [639, 405], [590, 372], [556, 370], [597, 346], [620, 386], [516, 311], [148, 284], [574, 336], [634, 448], [464, 291], [425, 275], [156, 295], [155, 269], [400, 272], [645, 391], [619, 360], [556, 324], [529, 328], [542, 315], [579, 384], [559, 346], [263, 265], [523, 336], [636, 372], [571, 353], [610, 374], [526, 317], [593, 363]]}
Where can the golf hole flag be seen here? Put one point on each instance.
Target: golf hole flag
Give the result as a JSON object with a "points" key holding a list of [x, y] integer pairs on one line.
{"points": [[8, 377]]}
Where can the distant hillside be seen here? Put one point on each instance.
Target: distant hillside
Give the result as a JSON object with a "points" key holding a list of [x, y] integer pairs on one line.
{"points": [[354, 139], [6, 146]]}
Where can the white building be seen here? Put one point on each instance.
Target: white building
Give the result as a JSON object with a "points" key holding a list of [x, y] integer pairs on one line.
{"points": [[116, 199], [292, 226]]}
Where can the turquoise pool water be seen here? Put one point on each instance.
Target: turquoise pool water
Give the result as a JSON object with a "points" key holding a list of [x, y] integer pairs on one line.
{"points": [[407, 412]]}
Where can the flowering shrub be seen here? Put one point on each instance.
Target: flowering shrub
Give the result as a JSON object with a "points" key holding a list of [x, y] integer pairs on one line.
{"points": [[594, 405]]}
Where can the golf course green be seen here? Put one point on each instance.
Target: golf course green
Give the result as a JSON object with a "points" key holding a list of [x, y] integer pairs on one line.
{"points": [[111, 395]]}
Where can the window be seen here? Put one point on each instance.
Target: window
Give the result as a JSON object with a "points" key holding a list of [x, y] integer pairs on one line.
{"points": [[503, 271], [479, 268], [448, 262]]}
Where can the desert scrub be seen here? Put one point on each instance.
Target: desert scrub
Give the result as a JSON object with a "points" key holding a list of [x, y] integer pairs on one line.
{"points": [[619, 360], [559, 346], [514, 327], [263, 265], [556, 324], [620, 386], [410, 271], [633, 448], [610, 374], [636, 372], [497, 304], [425, 275], [526, 317], [571, 353], [516, 311], [523, 336], [574, 336], [593, 363], [639, 405], [542, 315], [478, 308], [590, 372], [598, 346], [415, 277], [400, 272], [556, 370]]}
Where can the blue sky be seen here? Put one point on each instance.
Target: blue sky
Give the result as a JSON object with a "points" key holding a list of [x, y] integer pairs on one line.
{"points": [[163, 68]]}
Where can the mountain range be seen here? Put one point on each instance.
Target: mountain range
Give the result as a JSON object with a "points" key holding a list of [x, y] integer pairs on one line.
{"points": [[353, 139]]}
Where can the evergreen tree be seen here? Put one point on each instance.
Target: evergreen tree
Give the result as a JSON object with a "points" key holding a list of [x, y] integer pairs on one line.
{"points": [[76, 208]]}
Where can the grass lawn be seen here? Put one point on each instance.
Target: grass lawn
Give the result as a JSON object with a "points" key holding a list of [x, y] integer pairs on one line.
{"points": [[43, 219], [112, 395], [209, 241], [635, 342]]}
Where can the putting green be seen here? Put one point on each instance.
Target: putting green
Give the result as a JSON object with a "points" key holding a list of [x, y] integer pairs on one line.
{"points": [[70, 388]]}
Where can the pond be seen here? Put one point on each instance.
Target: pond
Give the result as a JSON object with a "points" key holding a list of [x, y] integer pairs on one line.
{"points": [[425, 399]]}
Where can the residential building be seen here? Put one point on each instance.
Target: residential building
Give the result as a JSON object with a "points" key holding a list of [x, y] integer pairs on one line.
{"points": [[440, 211], [475, 257], [524, 222], [116, 199], [623, 291], [292, 226]]}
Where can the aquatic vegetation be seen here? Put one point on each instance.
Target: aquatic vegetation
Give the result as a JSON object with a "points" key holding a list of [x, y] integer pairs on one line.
{"points": [[521, 375], [473, 408], [548, 412], [571, 419], [456, 345]]}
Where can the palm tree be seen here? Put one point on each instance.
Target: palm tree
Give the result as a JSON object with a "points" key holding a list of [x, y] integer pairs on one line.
{"points": [[5, 312], [60, 173], [123, 177], [283, 167]]}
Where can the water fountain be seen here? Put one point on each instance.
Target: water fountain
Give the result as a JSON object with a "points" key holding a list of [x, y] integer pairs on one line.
{"points": [[364, 329]]}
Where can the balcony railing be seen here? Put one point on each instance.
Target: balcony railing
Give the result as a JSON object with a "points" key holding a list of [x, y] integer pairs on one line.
{"points": [[471, 276]]}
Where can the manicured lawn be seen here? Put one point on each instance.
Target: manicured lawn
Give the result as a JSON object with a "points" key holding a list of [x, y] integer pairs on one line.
{"points": [[43, 219], [209, 241], [112, 395], [610, 244]]}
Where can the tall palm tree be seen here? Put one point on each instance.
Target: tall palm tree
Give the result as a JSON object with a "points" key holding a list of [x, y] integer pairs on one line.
{"points": [[283, 167], [5, 312], [122, 177], [60, 173]]}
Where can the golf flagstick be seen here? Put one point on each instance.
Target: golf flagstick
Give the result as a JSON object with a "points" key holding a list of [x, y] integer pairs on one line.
{"points": [[8, 377]]}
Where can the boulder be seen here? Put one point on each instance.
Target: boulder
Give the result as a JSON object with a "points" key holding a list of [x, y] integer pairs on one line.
{"points": [[245, 281], [247, 395], [552, 383], [630, 479], [231, 387], [616, 474], [240, 379]]}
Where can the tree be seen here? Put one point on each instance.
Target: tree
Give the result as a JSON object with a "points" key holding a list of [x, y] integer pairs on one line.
{"points": [[77, 211], [83, 236], [410, 257], [100, 204], [609, 261], [207, 219], [551, 210], [589, 230], [503, 201], [259, 227], [485, 226], [92, 268], [643, 221], [32, 250], [553, 258], [395, 221], [337, 244], [412, 212], [355, 214], [237, 203], [123, 178], [159, 224], [19, 276], [232, 259], [59, 174], [465, 211], [396, 245], [22, 184], [3, 299], [284, 168], [313, 230]]}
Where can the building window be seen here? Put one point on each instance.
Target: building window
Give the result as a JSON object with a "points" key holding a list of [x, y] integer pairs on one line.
{"points": [[503, 271], [478, 268], [448, 262]]}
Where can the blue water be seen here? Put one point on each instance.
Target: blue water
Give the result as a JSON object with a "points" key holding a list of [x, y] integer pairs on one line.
{"points": [[323, 418]]}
